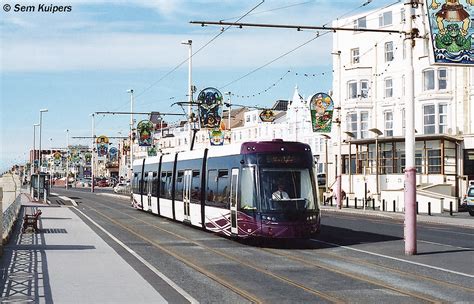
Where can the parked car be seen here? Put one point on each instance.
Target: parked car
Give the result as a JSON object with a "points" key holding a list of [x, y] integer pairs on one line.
{"points": [[121, 188], [102, 183], [469, 199]]}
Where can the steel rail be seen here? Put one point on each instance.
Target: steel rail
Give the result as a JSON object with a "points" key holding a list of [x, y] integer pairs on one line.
{"points": [[359, 277], [325, 296], [185, 261]]}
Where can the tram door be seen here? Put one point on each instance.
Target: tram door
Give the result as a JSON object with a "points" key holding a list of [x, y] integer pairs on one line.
{"points": [[188, 174], [234, 182]]}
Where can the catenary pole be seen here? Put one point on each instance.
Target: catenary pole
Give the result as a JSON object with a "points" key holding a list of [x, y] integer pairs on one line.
{"points": [[410, 169]]}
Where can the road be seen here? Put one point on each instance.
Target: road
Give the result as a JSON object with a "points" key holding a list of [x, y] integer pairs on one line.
{"points": [[354, 259]]}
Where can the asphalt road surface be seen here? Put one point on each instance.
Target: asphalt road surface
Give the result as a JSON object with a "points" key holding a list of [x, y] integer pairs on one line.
{"points": [[354, 259]]}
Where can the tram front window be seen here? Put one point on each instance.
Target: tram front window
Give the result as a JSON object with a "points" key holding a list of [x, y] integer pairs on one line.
{"points": [[287, 189]]}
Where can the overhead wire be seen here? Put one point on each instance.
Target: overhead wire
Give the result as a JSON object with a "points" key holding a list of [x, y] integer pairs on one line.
{"points": [[292, 50]]}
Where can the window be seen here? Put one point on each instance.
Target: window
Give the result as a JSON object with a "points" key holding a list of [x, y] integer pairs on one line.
{"points": [[389, 51], [355, 55], [247, 118], [179, 186], [442, 79], [154, 187], [434, 161], [358, 124], [388, 87], [385, 19], [196, 187], [165, 185], [429, 119], [428, 80], [364, 124], [218, 188], [360, 23], [364, 88], [248, 194], [402, 15], [352, 89], [352, 123], [388, 119], [443, 117]]}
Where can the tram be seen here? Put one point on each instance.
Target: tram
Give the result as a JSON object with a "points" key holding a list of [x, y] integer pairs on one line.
{"points": [[254, 189]]}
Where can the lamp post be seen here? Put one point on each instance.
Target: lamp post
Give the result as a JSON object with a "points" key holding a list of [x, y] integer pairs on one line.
{"points": [[351, 136], [33, 166], [39, 156], [190, 88], [40, 125], [131, 134], [326, 138], [93, 153], [67, 158], [377, 133]]}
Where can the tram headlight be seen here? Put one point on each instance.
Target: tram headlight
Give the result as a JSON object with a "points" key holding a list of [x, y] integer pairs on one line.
{"points": [[273, 219]]}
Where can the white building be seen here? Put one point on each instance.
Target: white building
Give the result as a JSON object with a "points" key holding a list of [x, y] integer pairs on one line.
{"points": [[369, 82]]}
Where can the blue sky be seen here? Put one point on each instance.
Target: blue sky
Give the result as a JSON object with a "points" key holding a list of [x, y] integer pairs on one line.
{"points": [[78, 62]]}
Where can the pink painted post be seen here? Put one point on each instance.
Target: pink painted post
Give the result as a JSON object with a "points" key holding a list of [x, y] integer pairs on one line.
{"points": [[410, 211]]}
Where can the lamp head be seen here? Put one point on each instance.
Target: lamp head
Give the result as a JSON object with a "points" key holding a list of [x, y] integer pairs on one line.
{"points": [[130, 91], [44, 110]]}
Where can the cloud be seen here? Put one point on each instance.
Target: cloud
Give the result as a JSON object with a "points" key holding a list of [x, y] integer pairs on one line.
{"points": [[100, 51]]}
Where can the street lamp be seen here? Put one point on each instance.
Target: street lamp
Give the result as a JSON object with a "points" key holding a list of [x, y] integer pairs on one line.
{"points": [[93, 152], [351, 136], [39, 156], [33, 165], [67, 158], [190, 86], [131, 134], [326, 138], [40, 123], [377, 133]]}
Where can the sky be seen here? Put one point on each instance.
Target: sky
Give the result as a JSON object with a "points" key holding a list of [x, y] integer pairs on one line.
{"points": [[84, 58]]}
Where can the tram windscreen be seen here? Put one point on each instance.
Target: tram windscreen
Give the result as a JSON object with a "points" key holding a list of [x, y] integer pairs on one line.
{"points": [[287, 189]]}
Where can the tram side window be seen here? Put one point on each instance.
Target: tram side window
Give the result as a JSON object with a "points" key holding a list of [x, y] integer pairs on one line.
{"points": [[144, 181], [179, 186], [154, 188], [196, 187], [165, 185], [218, 188], [223, 188], [211, 187], [247, 193], [135, 183]]}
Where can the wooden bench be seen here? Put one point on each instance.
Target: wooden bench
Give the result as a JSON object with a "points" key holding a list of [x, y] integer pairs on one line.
{"points": [[31, 220]]}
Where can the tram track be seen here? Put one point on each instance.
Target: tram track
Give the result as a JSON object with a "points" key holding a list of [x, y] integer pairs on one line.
{"points": [[220, 280], [358, 276], [301, 260]]}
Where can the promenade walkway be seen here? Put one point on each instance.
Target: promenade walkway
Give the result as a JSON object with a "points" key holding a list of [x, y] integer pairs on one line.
{"points": [[67, 263]]}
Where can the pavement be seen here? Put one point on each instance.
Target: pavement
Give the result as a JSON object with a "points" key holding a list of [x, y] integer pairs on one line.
{"points": [[67, 262], [459, 219]]}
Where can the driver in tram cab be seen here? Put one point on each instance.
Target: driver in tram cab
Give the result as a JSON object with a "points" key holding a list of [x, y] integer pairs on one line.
{"points": [[280, 194]]}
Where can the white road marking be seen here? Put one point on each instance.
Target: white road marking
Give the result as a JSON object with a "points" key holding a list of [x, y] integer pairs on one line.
{"points": [[396, 259], [151, 267], [68, 199], [446, 245]]}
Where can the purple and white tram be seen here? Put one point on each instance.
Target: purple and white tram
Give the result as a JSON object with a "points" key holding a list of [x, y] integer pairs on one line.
{"points": [[230, 189]]}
